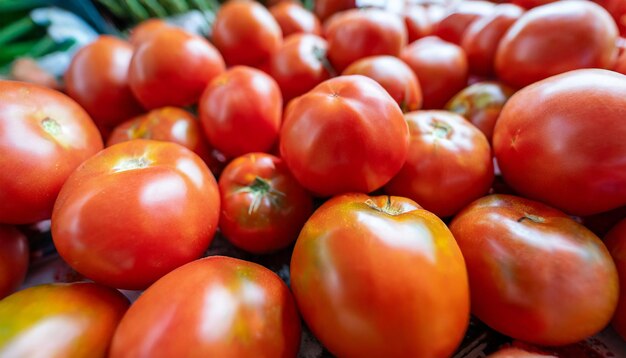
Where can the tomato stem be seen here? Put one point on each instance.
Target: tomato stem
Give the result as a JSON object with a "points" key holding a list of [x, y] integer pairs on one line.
{"points": [[533, 218]]}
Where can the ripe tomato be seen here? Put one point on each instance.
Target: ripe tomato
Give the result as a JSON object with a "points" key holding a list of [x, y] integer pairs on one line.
{"points": [[535, 274], [556, 38], [537, 141], [246, 33], [355, 34], [615, 241], [263, 206], [441, 67], [325, 8], [13, 259], [44, 136], [134, 212], [60, 320], [620, 65], [481, 104], [145, 30], [418, 23], [483, 36], [228, 308], [454, 24], [449, 163], [172, 68], [395, 76], [347, 134], [380, 277], [241, 111], [97, 79], [293, 18], [300, 65]]}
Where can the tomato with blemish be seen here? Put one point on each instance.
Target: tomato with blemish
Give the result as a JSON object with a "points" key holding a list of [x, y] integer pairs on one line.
{"points": [[13, 259], [218, 307], [136, 211], [615, 241], [535, 273], [293, 18]]}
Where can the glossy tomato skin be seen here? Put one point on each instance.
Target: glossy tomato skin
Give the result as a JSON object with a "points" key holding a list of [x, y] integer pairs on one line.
{"points": [[440, 66], [246, 33], [263, 205], [97, 79], [395, 76], [615, 241], [449, 163], [481, 39], [217, 306], [347, 134], [300, 65], [355, 34], [367, 271], [172, 68], [454, 24], [556, 38], [481, 104], [293, 18], [535, 274], [44, 136], [537, 141], [13, 259], [65, 320], [145, 30], [134, 212], [325, 8], [240, 111]]}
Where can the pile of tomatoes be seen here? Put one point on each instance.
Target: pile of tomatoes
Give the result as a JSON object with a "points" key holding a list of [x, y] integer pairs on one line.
{"points": [[420, 162]]}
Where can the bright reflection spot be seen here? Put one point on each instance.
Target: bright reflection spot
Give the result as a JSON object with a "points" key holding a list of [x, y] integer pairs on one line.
{"points": [[191, 169], [163, 190], [218, 313], [252, 294], [331, 277], [179, 130]]}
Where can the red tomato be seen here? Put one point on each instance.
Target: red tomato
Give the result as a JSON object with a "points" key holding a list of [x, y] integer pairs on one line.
{"points": [[263, 206], [347, 134], [145, 30], [325, 8], [535, 274], [440, 66], [395, 76], [380, 277], [300, 65], [60, 320], [13, 259], [134, 212], [449, 163], [44, 136], [227, 307], [241, 111], [483, 36], [97, 79], [620, 66], [293, 18], [556, 38], [481, 104], [246, 33], [538, 141], [418, 23], [452, 27], [172, 68], [615, 241], [355, 34]]}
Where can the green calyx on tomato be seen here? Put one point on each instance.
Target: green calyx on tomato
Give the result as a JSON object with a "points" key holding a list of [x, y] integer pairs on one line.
{"points": [[261, 188], [51, 126]]}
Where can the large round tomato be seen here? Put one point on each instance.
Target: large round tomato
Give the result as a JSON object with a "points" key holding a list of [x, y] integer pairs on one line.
{"points": [[556, 38], [552, 142], [13, 259], [172, 68], [293, 18], [347, 134], [380, 277], [483, 36], [615, 241], [535, 274], [300, 65], [263, 206], [60, 320], [454, 24], [241, 111], [97, 79], [136, 211], [246, 33], [218, 307], [395, 76], [449, 163], [44, 136], [441, 68], [355, 34]]}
